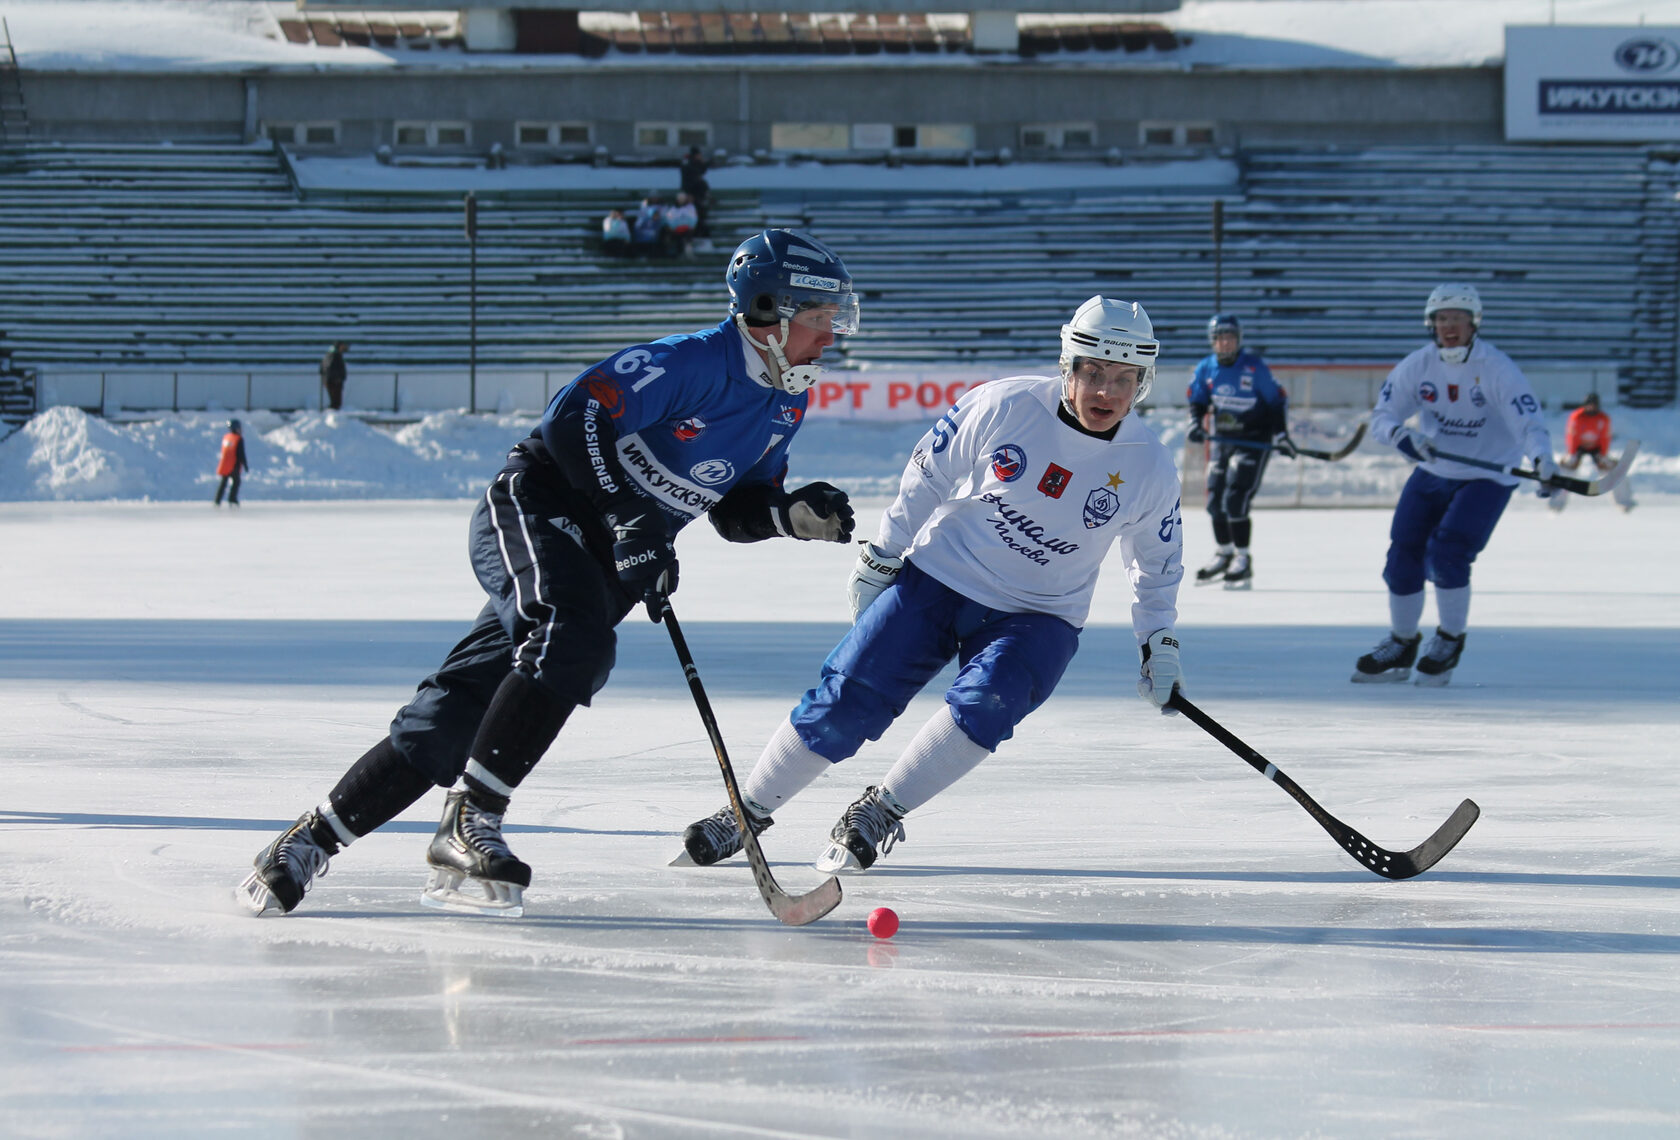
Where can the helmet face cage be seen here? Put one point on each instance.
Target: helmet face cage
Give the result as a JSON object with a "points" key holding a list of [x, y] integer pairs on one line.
{"points": [[777, 274], [1104, 329]]}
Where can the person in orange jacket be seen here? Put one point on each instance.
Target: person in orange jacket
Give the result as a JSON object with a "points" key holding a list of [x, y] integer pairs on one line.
{"points": [[232, 464], [1587, 435]]}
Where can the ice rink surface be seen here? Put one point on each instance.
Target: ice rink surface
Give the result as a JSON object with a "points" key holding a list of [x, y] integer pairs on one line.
{"points": [[1114, 927]]}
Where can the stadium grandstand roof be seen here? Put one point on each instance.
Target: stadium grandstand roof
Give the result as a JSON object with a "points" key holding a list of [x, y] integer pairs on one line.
{"points": [[243, 35]]}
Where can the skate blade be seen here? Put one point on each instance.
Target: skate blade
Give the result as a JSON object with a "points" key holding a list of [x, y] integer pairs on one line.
{"points": [[1243, 584], [837, 859], [1433, 680], [1208, 581], [253, 894], [1388, 677], [487, 896], [683, 859]]}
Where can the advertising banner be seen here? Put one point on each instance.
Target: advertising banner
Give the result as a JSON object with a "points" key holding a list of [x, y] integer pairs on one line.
{"points": [[1592, 84]]}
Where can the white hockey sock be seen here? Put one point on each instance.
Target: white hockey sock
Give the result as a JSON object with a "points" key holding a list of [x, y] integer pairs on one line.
{"points": [[784, 769], [1453, 608], [345, 836], [1404, 613], [940, 755]]}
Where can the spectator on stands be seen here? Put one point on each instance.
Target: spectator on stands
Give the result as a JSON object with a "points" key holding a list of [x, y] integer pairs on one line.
{"points": [[694, 184], [231, 465], [647, 233], [680, 222], [333, 374], [615, 234]]}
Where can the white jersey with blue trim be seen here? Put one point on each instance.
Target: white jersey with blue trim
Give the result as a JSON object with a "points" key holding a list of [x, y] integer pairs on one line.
{"points": [[1007, 504], [1483, 408]]}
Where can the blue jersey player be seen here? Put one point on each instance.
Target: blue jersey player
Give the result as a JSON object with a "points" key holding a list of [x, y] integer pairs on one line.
{"points": [[576, 530], [1249, 408]]}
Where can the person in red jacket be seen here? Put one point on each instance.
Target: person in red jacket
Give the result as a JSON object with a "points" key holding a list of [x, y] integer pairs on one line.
{"points": [[1587, 435], [231, 465]]}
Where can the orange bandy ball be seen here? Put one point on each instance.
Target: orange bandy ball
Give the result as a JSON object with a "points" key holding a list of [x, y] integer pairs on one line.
{"points": [[883, 923]]}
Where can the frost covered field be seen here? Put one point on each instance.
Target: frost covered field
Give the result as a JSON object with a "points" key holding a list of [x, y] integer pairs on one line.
{"points": [[1113, 927]]}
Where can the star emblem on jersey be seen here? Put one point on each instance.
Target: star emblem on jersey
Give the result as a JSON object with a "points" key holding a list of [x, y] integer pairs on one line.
{"points": [[1114, 481]]}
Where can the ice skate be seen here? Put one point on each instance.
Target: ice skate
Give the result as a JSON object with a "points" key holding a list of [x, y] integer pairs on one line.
{"points": [[715, 838], [1241, 574], [286, 867], [469, 849], [870, 823], [1390, 661], [1435, 667], [1214, 571]]}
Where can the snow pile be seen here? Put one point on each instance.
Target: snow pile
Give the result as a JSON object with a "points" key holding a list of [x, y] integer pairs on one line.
{"points": [[67, 454]]}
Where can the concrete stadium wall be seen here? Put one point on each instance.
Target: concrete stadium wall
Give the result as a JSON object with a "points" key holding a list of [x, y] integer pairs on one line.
{"points": [[1366, 106]]}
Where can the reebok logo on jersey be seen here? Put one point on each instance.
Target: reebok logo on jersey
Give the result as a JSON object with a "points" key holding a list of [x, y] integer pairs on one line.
{"points": [[1054, 481], [1009, 463]]}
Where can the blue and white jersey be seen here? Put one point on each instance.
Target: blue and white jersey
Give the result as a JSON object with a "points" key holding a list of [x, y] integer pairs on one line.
{"points": [[1247, 403], [689, 416], [1483, 408], [1006, 504]]}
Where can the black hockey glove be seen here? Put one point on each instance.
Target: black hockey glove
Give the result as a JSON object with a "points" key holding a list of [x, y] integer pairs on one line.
{"points": [[1196, 434], [1284, 446], [645, 560], [816, 511]]}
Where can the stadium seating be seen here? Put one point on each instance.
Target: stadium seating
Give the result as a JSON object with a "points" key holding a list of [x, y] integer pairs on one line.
{"points": [[204, 256]]}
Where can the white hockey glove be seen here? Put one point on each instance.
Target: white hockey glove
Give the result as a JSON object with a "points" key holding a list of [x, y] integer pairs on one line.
{"points": [[1160, 673], [875, 572], [1545, 468], [1414, 445]]}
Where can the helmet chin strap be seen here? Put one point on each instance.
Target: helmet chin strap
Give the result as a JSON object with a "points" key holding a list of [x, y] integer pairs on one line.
{"points": [[793, 379], [1455, 355]]}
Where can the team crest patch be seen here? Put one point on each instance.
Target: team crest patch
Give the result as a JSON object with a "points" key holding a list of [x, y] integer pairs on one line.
{"points": [[1452, 393], [606, 394], [1055, 481], [1009, 463], [1427, 392], [788, 417], [689, 429], [1476, 396], [711, 472], [1100, 507]]}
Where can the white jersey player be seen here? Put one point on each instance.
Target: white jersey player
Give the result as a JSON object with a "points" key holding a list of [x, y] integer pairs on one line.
{"points": [[989, 555], [1470, 399]]}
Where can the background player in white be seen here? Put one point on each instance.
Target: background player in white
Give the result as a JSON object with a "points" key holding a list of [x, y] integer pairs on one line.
{"points": [[1472, 400], [990, 555]]}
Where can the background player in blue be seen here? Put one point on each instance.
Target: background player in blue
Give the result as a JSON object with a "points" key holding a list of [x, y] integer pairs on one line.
{"points": [[1248, 405], [1475, 402], [989, 555], [575, 530]]}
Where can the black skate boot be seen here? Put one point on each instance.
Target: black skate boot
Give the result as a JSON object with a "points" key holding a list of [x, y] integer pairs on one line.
{"points": [[1241, 574], [1435, 667], [716, 838], [1391, 660], [469, 846], [286, 867], [869, 823], [1214, 571]]}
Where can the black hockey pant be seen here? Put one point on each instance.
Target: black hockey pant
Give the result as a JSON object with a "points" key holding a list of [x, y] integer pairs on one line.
{"points": [[1232, 481], [553, 605]]}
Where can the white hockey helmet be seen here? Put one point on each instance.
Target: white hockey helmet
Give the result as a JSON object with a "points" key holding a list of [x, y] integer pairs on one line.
{"points": [[1453, 295], [1105, 329]]}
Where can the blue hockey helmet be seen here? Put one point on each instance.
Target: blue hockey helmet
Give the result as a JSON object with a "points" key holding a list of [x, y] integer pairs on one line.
{"points": [[1224, 323], [775, 274], [233, 425]]}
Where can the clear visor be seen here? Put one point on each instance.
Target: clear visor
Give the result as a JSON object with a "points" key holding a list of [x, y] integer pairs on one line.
{"points": [[837, 314], [1104, 373]]}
